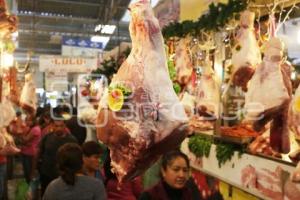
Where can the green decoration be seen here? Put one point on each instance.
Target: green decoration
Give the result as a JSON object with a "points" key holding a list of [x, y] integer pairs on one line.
{"points": [[225, 151], [110, 67], [200, 145], [216, 18]]}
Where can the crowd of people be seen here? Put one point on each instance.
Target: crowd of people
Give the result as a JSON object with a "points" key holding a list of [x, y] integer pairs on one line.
{"points": [[53, 148]]}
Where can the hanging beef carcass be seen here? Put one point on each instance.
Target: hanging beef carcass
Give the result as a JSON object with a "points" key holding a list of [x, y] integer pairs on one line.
{"points": [[208, 93], [269, 95], [28, 98], [246, 53], [183, 63], [140, 116], [8, 23]]}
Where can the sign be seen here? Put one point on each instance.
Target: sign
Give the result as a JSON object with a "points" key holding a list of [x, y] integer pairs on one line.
{"points": [[81, 42], [56, 81], [74, 46], [67, 64]]}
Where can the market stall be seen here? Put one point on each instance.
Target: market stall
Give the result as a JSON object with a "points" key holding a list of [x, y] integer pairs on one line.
{"points": [[230, 72]]}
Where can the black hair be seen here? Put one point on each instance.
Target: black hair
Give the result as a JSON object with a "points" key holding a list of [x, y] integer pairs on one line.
{"points": [[69, 159], [170, 156], [107, 168], [91, 148]]}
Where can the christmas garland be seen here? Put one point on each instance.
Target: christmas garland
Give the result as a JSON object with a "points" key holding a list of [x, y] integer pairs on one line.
{"points": [[216, 18], [110, 67]]}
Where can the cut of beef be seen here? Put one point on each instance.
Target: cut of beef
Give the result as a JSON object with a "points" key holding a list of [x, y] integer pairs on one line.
{"points": [[269, 95], [246, 53], [140, 116], [208, 94]]}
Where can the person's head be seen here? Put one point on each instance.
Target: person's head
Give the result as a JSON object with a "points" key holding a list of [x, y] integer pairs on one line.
{"points": [[92, 152], [58, 121], [30, 120], [175, 169], [69, 160]]}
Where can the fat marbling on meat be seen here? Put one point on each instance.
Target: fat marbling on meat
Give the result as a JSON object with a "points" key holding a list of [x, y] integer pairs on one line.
{"points": [[151, 120]]}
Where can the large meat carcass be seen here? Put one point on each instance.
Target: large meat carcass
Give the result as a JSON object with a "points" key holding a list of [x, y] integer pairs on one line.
{"points": [[140, 116], [208, 93], [269, 94], [28, 98], [183, 63], [246, 53]]}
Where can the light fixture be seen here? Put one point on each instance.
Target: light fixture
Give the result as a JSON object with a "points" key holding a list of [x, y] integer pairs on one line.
{"points": [[105, 29], [102, 39], [7, 60]]}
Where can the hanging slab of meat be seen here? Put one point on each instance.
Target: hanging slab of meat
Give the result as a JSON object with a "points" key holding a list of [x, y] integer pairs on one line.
{"points": [[28, 98], [7, 113], [140, 116], [246, 53], [183, 63], [269, 95], [294, 114], [208, 94], [8, 23]]}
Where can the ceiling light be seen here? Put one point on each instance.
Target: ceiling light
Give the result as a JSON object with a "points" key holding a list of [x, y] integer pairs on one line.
{"points": [[105, 29], [108, 29], [103, 39]]}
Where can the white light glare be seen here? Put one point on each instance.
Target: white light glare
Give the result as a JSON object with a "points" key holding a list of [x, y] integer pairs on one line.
{"points": [[105, 29], [103, 39], [7, 60], [298, 36]]}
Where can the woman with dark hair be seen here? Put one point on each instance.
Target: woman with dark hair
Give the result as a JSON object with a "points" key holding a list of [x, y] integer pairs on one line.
{"points": [[71, 184], [128, 190], [175, 170], [29, 146]]}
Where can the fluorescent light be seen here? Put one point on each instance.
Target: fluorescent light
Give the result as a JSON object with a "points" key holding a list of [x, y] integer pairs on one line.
{"points": [[298, 36], [105, 29], [108, 29], [103, 39]]}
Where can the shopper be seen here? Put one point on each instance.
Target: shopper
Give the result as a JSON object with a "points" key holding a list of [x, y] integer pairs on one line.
{"points": [[29, 147], [48, 147], [71, 185], [175, 174], [128, 190], [92, 152]]}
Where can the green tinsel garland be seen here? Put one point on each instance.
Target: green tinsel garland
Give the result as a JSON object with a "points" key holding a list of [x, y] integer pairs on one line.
{"points": [[111, 66], [217, 17]]}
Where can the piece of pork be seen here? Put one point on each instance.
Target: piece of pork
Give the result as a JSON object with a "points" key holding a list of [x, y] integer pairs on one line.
{"points": [[246, 54], [151, 119]]}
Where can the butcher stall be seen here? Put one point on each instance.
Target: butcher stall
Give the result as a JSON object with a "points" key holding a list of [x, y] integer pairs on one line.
{"points": [[219, 84]]}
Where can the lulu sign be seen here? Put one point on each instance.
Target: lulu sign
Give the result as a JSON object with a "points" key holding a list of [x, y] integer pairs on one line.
{"points": [[67, 64]]}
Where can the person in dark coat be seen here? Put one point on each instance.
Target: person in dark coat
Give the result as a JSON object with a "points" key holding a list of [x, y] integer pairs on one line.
{"points": [[50, 143], [174, 184]]}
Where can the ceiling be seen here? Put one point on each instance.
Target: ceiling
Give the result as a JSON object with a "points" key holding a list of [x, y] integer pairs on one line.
{"points": [[42, 23]]}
